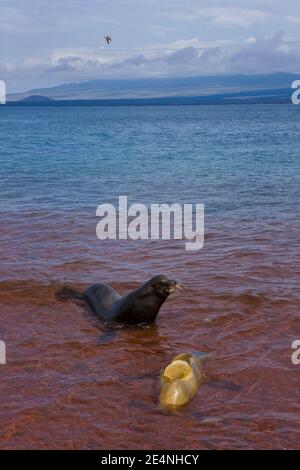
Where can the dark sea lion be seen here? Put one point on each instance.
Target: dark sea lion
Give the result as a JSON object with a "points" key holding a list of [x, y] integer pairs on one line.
{"points": [[140, 306]]}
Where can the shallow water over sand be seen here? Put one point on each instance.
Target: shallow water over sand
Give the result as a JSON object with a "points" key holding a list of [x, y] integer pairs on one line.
{"points": [[68, 383]]}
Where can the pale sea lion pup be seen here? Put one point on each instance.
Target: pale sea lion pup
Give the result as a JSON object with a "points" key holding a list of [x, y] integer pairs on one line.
{"points": [[181, 379]]}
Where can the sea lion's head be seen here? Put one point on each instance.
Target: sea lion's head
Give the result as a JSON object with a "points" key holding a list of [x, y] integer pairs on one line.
{"points": [[142, 305], [161, 286]]}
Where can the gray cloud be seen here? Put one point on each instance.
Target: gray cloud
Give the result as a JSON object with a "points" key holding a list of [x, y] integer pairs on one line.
{"points": [[266, 54], [224, 16], [263, 55], [48, 42]]}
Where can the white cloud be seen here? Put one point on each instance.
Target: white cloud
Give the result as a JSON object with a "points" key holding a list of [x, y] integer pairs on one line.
{"points": [[293, 19], [13, 19], [224, 16], [182, 58], [44, 39]]}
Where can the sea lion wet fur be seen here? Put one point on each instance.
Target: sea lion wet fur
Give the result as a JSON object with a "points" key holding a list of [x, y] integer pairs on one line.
{"points": [[140, 306]]}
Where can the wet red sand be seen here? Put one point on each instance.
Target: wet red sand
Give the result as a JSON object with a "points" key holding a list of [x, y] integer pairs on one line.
{"points": [[69, 384]]}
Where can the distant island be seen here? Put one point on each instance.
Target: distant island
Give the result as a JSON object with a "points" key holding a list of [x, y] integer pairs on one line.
{"points": [[226, 89], [282, 96], [38, 99]]}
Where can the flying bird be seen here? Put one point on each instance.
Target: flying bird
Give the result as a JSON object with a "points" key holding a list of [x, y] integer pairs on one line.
{"points": [[107, 38]]}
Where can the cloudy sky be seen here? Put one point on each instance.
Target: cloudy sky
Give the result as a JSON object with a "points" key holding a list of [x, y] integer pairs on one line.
{"points": [[48, 42]]}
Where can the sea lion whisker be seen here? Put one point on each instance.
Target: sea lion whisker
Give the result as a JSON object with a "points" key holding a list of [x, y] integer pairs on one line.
{"points": [[180, 286]]}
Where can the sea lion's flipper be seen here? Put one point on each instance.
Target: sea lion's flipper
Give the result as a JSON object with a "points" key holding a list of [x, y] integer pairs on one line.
{"points": [[68, 293], [100, 298], [217, 383], [202, 355], [107, 336]]}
